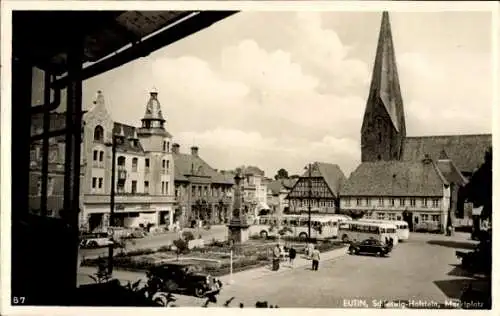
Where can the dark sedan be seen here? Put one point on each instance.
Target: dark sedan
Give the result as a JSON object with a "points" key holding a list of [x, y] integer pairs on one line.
{"points": [[184, 278], [370, 246]]}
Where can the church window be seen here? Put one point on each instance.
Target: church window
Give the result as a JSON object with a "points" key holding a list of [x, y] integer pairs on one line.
{"points": [[98, 134], [164, 146]]}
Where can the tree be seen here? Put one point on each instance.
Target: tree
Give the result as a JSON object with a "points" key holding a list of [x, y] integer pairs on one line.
{"points": [[479, 189], [281, 174]]}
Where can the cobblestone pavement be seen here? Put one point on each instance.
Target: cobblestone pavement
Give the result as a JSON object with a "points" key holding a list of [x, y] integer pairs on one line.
{"points": [[421, 269]]}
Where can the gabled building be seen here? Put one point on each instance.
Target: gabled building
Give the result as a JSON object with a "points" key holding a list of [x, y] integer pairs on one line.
{"points": [[320, 186], [384, 136], [254, 190], [277, 192], [418, 192], [144, 174], [202, 193]]}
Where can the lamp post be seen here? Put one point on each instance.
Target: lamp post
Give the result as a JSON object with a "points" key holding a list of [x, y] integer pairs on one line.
{"points": [[112, 202], [309, 202]]}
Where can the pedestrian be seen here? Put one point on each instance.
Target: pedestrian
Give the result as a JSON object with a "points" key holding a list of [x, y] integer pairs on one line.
{"points": [[315, 259], [276, 257], [292, 253]]}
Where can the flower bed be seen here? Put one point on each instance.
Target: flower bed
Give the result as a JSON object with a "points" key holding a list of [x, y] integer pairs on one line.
{"points": [[214, 258]]}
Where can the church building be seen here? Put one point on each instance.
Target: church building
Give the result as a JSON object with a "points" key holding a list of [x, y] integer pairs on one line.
{"points": [[419, 179]]}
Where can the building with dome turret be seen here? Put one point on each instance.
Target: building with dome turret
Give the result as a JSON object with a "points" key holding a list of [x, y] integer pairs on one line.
{"points": [[144, 169]]}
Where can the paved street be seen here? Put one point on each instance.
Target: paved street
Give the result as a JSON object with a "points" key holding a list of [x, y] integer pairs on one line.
{"points": [[421, 268], [417, 269], [218, 232]]}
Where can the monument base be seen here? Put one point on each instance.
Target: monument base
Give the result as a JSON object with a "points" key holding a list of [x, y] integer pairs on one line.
{"points": [[239, 234]]}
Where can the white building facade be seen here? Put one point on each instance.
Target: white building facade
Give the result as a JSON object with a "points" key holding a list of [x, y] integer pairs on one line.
{"points": [[144, 190]]}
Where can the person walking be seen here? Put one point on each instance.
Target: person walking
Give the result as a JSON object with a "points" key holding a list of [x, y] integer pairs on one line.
{"points": [[276, 257], [315, 259], [292, 253]]}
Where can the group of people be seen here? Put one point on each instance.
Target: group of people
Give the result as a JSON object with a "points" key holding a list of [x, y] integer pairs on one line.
{"points": [[279, 250]]}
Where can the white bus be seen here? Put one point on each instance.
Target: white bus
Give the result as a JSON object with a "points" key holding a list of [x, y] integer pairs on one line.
{"points": [[359, 231], [402, 228], [298, 226]]}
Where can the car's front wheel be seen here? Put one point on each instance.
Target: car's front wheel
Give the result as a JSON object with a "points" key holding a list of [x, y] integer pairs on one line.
{"points": [[199, 292]]}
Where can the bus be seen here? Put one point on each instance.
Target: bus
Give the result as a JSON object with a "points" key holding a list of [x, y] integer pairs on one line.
{"points": [[296, 226], [402, 228], [361, 230]]}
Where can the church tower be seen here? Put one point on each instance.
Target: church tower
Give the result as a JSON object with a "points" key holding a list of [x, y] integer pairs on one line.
{"points": [[384, 129]]}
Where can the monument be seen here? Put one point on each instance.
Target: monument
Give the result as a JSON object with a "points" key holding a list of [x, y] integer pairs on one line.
{"points": [[238, 225]]}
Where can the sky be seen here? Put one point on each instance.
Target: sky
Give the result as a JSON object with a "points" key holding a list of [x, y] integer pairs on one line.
{"points": [[282, 89]]}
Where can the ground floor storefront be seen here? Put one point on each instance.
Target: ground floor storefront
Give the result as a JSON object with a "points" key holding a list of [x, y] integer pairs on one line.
{"points": [[202, 212], [96, 217]]}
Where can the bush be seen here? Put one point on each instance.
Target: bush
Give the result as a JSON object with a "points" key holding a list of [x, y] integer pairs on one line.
{"points": [[181, 247], [187, 236]]}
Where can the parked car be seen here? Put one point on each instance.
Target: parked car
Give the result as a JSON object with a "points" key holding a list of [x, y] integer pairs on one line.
{"points": [[137, 233], [370, 246], [184, 278], [95, 240]]}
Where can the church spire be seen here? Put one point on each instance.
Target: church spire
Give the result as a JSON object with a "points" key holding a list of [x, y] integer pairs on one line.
{"points": [[385, 79], [384, 127]]}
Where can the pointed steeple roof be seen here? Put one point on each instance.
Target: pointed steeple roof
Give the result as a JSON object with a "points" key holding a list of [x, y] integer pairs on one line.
{"points": [[153, 107], [385, 80]]}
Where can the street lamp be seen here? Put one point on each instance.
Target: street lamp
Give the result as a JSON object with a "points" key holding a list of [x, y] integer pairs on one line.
{"points": [[309, 202], [112, 201]]}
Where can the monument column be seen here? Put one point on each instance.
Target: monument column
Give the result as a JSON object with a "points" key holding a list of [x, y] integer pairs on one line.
{"points": [[238, 225]]}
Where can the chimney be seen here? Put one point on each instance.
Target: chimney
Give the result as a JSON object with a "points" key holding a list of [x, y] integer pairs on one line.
{"points": [[194, 151], [175, 148]]}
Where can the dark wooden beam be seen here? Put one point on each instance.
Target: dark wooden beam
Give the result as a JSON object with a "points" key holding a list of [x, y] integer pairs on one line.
{"points": [[203, 20]]}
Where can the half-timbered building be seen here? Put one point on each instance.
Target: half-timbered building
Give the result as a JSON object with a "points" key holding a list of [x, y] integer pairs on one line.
{"points": [[318, 188]]}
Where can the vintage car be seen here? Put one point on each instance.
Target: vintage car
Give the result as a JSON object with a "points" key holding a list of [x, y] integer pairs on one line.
{"points": [[184, 278], [370, 246], [95, 240]]}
